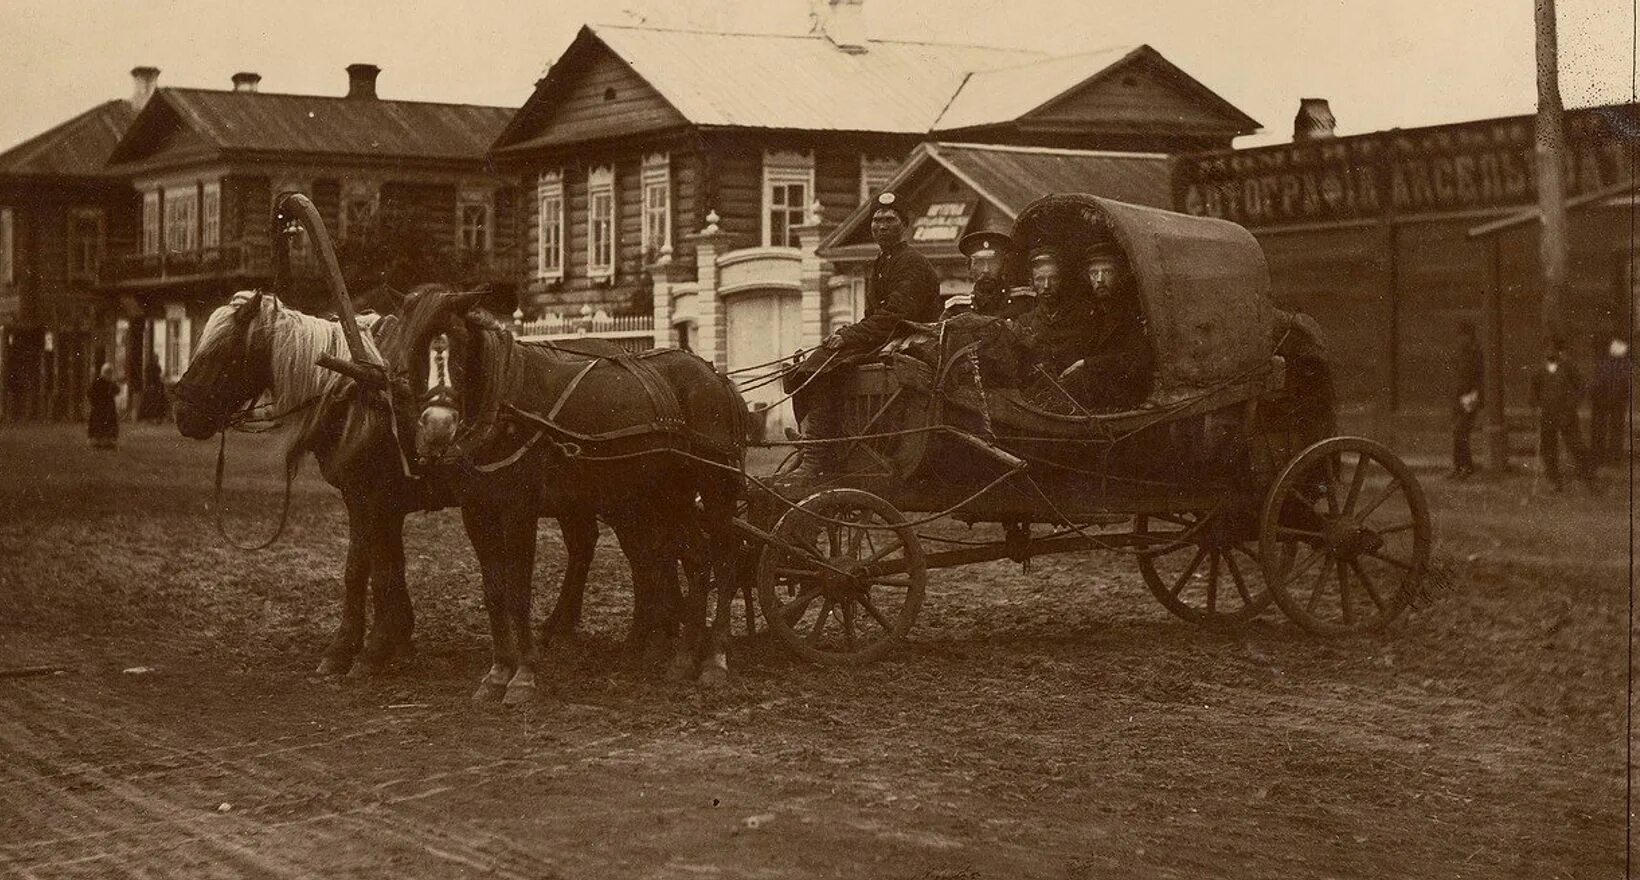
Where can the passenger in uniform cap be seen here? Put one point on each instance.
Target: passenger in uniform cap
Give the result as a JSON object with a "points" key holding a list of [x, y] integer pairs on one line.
{"points": [[902, 286], [988, 252]]}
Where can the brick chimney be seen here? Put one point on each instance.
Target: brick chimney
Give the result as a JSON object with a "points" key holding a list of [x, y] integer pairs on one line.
{"points": [[143, 82], [361, 81], [1314, 121], [244, 81], [844, 24]]}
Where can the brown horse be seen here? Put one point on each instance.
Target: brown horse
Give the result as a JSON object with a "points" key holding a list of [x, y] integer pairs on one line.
{"points": [[254, 348], [641, 439]]}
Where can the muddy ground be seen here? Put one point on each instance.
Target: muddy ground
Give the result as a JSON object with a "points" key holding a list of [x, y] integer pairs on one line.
{"points": [[1054, 723]]}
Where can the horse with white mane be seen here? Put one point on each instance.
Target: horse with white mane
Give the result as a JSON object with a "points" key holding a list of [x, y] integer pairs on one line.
{"points": [[255, 349]]}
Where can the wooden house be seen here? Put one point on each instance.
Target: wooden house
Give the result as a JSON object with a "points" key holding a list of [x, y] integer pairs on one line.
{"points": [[201, 168], [692, 175], [58, 207]]}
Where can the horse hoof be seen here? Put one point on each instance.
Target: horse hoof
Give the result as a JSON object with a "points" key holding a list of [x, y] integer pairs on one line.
{"points": [[489, 693], [680, 669], [518, 695], [333, 666], [714, 677]]}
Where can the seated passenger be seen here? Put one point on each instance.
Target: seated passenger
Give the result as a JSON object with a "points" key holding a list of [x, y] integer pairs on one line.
{"points": [[1115, 371], [987, 252], [1055, 332]]}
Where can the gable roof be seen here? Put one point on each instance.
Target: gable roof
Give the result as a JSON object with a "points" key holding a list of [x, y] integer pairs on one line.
{"points": [[78, 147], [1005, 94], [778, 81], [1010, 177], [212, 122]]}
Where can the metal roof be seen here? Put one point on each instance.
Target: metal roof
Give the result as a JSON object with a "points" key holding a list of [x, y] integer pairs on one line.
{"points": [[1003, 94], [802, 82], [265, 122], [1010, 178], [76, 148]]}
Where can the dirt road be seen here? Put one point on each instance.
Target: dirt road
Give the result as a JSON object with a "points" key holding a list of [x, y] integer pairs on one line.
{"points": [[1054, 723]]}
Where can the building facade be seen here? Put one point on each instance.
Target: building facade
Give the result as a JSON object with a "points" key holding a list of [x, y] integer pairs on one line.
{"points": [[691, 176], [1370, 235]]}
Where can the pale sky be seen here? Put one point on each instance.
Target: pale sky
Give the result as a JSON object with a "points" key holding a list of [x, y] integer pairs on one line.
{"points": [[1381, 63]]}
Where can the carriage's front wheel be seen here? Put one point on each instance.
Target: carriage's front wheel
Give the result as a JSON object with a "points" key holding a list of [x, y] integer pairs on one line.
{"points": [[1347, 526], [1204, 567], [843, 581]]}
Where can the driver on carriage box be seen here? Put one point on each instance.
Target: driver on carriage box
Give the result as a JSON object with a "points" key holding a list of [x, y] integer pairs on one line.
{"points": [[902, 286], [1088, 331]]}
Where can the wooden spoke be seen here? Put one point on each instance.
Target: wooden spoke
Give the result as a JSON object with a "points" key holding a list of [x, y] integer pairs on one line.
{"points": [[878, 555], [848, 624], [1398, 527], [1288, 531], [1298, 571], [834, 538], [1357, 480], [855, 537], [1344, 592], [1213, 581], [1367, 585], [1398, 563], [1235, 575], [1380, 499], [796, 574], [871, 609], [820, 622], [1334, 467], [1189, 571], [1320, 581], [793, 612], [891, 581]]}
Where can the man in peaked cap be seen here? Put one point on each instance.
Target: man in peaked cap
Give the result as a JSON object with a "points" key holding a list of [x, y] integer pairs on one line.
{"points": [[902, 286], [988, 252]]}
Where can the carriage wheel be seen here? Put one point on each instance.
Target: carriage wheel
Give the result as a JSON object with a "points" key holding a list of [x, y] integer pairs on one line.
{"points": [[1351, 521], [1214, 576], [838, 588]]}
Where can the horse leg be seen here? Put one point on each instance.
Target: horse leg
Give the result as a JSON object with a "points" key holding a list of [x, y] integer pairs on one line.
{"points": [[519, 563], [338, 657], [717, 513], [392, 620], [489, 547], [687, 542], [580, 530]]}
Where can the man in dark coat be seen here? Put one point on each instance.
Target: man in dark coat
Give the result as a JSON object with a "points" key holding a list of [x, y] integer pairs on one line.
{"points": [[902, 286], [103, 426], [988, 252], [1466, 401], [1609, 403], [1557, 388], [1088, 332]]}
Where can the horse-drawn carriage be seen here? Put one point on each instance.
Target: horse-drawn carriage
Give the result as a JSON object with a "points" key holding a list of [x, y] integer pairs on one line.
{"points": [[1226, 485]]}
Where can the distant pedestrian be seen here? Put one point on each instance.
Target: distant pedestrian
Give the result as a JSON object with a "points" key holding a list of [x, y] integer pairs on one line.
{"points": [[103, 426], [1609, 403], [1466, 401], [1557, 388], [154, 406]]}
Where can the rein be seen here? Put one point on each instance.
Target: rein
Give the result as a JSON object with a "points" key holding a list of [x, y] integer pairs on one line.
{"points": [[216, 501]]}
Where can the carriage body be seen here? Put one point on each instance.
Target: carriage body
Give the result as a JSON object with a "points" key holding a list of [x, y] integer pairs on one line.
{"points": [[1225, 484]]}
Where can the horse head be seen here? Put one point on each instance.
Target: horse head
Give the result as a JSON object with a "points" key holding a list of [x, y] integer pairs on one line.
{"points": [[439, 343], [229, 369]]}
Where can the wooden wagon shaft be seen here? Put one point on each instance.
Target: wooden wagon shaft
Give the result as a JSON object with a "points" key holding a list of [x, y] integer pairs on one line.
{"points": [[1034, 547]]}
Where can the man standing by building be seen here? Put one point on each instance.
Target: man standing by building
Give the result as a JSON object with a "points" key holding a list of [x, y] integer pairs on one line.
{"points": [[1466, 400], [902, 286], [1557, 387], [1609, 403]]}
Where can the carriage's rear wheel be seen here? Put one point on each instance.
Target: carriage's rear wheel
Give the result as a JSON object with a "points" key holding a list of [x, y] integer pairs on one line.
{"points": [[1206, 568], [843, 584], [1352, 523]]}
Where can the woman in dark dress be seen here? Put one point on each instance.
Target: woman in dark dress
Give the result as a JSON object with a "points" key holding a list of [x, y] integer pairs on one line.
{"points": [[104, 425]]}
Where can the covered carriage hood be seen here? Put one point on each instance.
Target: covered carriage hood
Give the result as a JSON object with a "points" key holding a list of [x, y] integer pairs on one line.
{"points": [[1203, 283]]}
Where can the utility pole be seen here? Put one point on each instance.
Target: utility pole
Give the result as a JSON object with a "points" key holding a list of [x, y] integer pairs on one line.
{"points": [[1551, 191]]}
